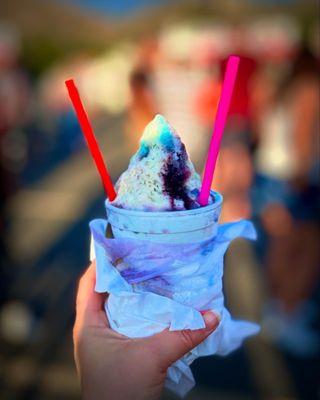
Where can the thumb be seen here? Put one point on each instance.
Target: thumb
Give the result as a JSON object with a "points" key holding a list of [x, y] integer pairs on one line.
{"points": [[172, 345]]}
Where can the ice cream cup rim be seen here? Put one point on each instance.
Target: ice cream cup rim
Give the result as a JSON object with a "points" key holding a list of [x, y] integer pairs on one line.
{"points": [[210, 207]]}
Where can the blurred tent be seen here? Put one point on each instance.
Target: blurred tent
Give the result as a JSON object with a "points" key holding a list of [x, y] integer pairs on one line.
{"points": [[102, 80]]}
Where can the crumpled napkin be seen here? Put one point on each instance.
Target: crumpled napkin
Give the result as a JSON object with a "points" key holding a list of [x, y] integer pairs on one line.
{"points": [[153, 286]]}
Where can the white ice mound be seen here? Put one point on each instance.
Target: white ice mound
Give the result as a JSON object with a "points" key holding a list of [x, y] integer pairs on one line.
{"points": [[160, 176]]}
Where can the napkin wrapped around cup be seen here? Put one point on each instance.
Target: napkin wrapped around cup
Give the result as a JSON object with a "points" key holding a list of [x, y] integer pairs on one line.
{"points": [[154, 286]]}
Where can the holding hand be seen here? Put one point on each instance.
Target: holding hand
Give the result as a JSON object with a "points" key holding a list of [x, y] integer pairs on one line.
{"points": [[114, 367]]}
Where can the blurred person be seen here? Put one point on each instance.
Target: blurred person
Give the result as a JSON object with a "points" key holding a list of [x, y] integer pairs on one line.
{"points": [[207, 96], [176, 79], [117, 367], [142, 107], [263, 89], [233, 177], [147, 53], [286, 194], [14, 107], [176, 82]]}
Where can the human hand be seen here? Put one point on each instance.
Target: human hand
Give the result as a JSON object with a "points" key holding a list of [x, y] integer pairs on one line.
{"points": [[114, 367]]}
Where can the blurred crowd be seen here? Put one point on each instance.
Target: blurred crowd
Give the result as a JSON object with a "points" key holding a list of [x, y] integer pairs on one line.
{"points": [[268, 168]]}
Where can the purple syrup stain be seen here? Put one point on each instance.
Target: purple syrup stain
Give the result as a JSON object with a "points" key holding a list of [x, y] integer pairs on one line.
{"points": [[175, 174], [194, 204], [165, 231]]}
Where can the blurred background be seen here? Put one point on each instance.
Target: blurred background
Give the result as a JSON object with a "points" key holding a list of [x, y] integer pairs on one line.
{"points": [[132, 59]]}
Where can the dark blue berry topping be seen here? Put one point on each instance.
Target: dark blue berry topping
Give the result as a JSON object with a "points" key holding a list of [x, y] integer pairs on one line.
{"points": [[175, 174]]}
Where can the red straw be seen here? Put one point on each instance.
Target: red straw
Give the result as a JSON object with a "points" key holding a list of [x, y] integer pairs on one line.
{"points": [[90, 138], [221, 117]]}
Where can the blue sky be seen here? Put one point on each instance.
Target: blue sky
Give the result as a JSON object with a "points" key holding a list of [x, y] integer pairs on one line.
{"points": [[116, 7], [119, 8]]}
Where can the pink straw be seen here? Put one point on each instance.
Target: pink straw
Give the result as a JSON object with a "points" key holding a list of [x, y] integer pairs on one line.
{"points": [[221, 117]]}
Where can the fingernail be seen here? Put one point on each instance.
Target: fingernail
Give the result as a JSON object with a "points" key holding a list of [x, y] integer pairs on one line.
{"points": [[211, 319]]}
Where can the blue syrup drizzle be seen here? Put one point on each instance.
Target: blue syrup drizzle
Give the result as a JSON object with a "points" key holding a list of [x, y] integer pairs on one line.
{"points": [[143, 151], [166, 139]]}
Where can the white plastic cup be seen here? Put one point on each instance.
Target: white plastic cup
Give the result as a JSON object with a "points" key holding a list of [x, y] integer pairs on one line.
{"points": [[187, 226]]}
